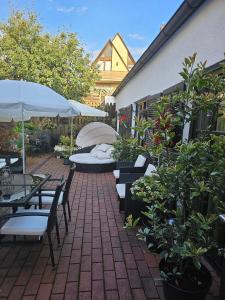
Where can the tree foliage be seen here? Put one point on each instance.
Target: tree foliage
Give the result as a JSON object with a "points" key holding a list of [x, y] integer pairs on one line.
{"points": [[58, 61]]}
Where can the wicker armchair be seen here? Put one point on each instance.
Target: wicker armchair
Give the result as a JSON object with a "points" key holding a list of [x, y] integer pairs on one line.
{"points": [[126, 203]]}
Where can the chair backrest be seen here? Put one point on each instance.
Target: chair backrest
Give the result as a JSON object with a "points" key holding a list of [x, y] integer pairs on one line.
{"points": [[53, 210], [140, 161], [150, 170], [68, 184]]}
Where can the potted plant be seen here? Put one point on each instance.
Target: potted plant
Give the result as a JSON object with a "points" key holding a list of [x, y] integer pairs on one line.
{"points": [[182, 245], [63, 150], [66, 155], [127, 149], [184, 233], [181, 238]]}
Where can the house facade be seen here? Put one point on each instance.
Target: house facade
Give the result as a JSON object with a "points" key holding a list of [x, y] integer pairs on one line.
{"points": [[114, 62], [197, 26]]}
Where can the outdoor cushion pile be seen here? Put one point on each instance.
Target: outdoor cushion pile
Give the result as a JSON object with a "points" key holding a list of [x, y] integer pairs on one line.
{"points": [[102, 151], [100, 154]]}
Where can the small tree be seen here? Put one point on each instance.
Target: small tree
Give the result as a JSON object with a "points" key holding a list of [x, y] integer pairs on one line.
{"points": [[57, 61]]}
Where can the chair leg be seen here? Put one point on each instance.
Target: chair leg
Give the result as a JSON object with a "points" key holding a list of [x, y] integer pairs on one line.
{"points": [[65, 218], [57, 232], [121, 205], [69, 210], [51, 249]]}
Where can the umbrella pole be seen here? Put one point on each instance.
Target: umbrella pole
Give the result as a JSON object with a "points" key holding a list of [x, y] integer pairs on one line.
{"points": [[71, 136], [23, 144]]}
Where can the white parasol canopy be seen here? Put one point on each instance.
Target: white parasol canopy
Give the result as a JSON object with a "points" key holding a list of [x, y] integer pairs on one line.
{"points": [[86, 110], [96, 133], [21, 100], [33, 99]]}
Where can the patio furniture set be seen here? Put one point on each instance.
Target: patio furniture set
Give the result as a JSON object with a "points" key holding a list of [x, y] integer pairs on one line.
{"points": [[28, 196]]}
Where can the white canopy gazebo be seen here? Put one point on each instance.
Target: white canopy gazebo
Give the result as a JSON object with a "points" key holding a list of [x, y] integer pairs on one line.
{"points": [[84, 111], [21, 100], [96, 133]]}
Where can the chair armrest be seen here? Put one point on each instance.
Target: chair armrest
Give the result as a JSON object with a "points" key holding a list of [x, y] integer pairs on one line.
{"points": [[129, 177], [132, 170], [121, 164]]}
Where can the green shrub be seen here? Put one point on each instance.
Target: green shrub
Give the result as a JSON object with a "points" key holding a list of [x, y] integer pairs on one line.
{"points": [[127, 149]]}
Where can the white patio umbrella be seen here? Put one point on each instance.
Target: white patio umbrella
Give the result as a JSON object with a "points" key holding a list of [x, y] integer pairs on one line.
{"points": [[85, 111], [21, 100]]}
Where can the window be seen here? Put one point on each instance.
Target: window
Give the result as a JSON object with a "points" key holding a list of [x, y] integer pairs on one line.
{"points": [[107, 65], [104, 65], [100, 65]]}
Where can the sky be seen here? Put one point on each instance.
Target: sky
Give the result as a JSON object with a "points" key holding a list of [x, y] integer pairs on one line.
{"points": [[97, 21]]}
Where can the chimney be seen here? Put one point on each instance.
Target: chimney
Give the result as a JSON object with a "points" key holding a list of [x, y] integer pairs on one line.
{"points": [[162, 26]]}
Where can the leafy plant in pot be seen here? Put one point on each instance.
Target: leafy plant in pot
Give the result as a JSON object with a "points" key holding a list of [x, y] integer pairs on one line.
{"points": [[184, 233], [155, 189], [181, 244]]}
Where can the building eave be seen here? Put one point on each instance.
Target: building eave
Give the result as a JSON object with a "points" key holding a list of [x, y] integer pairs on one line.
{"points": [[183, 13]]}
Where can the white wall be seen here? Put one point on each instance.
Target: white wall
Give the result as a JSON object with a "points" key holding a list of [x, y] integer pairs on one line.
{"points": [[110, 100], [203, 33]]}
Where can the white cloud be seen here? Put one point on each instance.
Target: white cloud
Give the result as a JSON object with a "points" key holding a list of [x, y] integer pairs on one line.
{"points": [[81, 9], [136, 36], [66, 10]]}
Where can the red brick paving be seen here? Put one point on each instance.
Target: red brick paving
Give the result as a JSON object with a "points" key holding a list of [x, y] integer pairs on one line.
{"points": [[97, 260]]}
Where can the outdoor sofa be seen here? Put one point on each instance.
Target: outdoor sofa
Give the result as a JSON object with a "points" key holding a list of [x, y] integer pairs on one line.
{"points": [[95, 154]]}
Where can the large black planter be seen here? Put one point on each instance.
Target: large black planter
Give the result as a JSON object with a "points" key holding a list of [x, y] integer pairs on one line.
{"points": [[172, 292]]}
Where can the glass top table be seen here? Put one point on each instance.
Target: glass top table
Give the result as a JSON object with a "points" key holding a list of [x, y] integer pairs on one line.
{"points": [[20, 188]]}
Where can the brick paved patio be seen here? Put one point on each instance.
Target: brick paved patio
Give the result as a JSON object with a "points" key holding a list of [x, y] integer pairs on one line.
{"points": [[98, 259]]}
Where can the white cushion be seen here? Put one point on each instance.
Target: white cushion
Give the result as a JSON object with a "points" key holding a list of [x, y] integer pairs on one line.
{"points": [[103, 155], [2, 160], [104, 147], [2, 164], [121, 190], [96, 153], [109, 151], [86, 158], [116, 174], [140, 161], [45, 199], [13, 160], [27, 225], [94, 149], [150, 170], [31, 210]]}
